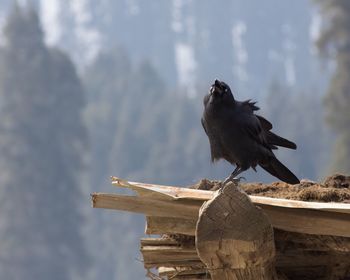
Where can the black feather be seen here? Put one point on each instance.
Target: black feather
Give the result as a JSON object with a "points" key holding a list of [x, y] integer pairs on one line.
{"points": [[251, 105], [277, 169], [276, 140]]}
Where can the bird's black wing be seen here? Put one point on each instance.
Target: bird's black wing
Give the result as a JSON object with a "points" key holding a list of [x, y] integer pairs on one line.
{"points": [[264, 123], [252, 127], [272, 138], [256, 129], [215, 151]]}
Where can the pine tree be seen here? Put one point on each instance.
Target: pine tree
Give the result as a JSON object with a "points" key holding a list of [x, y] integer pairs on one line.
{"points": [[114, 236], [335, 41], [42, 140]]}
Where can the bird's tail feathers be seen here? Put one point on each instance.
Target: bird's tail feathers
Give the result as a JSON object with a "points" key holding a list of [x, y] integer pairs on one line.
{"points": [[277, 169], [276, 140]]}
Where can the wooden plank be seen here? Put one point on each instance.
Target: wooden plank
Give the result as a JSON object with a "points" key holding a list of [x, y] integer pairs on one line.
{"points": [[172, 263], [147, 206], [306, 252], [167, 192], [291, 216], [161, 225], [296, 204], [170, 256], [165, 271], [183, 273], [172, 252], [308, 221], [158, 241], [288, 219], [178, 193]]}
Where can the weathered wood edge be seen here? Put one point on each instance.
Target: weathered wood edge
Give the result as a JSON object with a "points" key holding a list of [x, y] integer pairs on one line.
{"points": [[301, 220], [147, 206], [181, 193]]}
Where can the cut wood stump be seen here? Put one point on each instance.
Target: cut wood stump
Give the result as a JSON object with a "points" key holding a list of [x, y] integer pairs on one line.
{"points": [[234, 238]]}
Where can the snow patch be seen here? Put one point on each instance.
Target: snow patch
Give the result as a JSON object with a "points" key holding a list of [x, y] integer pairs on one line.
{"points": [[240, 52], [88, 37], [186, 66], [315, 30], [315, 26], [2, 24], [50, 15], [176, 23], [289, 48]]}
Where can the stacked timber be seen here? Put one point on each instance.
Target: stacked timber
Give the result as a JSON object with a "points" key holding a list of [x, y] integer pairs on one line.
{"points": [[227, 234]]}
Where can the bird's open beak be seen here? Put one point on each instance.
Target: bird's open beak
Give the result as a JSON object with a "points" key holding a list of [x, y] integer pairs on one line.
{"points": [[216, 89]]}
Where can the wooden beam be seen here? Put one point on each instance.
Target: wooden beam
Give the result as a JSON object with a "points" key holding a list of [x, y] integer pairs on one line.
{"points": [[167, 192], [294, 220], [159, 252], [177, 193], [296, 204], [147, 206], [308, 221], [154, 241], [161, 225], [290, 215], [183, 273], [172, 263], [296, 254]]}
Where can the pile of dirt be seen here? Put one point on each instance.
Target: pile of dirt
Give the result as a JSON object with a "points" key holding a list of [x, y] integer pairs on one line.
{"points": [[335, 188], [207, 185]]}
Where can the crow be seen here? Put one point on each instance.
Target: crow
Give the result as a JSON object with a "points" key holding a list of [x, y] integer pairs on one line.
{"points": [[241, 137]]}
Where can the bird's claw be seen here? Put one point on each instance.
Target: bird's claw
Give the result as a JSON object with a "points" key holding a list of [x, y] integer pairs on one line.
{"points": [[240, 178], [233, 180]]}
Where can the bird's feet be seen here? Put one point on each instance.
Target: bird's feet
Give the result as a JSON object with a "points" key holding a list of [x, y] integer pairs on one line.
{"points": [[233, 180]]}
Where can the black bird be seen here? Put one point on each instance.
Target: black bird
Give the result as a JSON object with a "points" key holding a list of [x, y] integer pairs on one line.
{"points": [[241, 137]]}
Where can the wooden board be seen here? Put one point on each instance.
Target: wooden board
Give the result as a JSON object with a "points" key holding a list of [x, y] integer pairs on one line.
{"points": [[170, 208], [167, 192], [296, 254], [160, 225], [308, 221], [159, 253], [183, 273], [296, 204], [178, 193], [147, 206]]}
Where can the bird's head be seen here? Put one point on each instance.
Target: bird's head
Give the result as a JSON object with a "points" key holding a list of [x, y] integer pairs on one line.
{"points": [[220, 92]]}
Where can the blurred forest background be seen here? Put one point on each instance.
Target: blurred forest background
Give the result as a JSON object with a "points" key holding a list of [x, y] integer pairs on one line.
{"points": [[90, 89]]}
